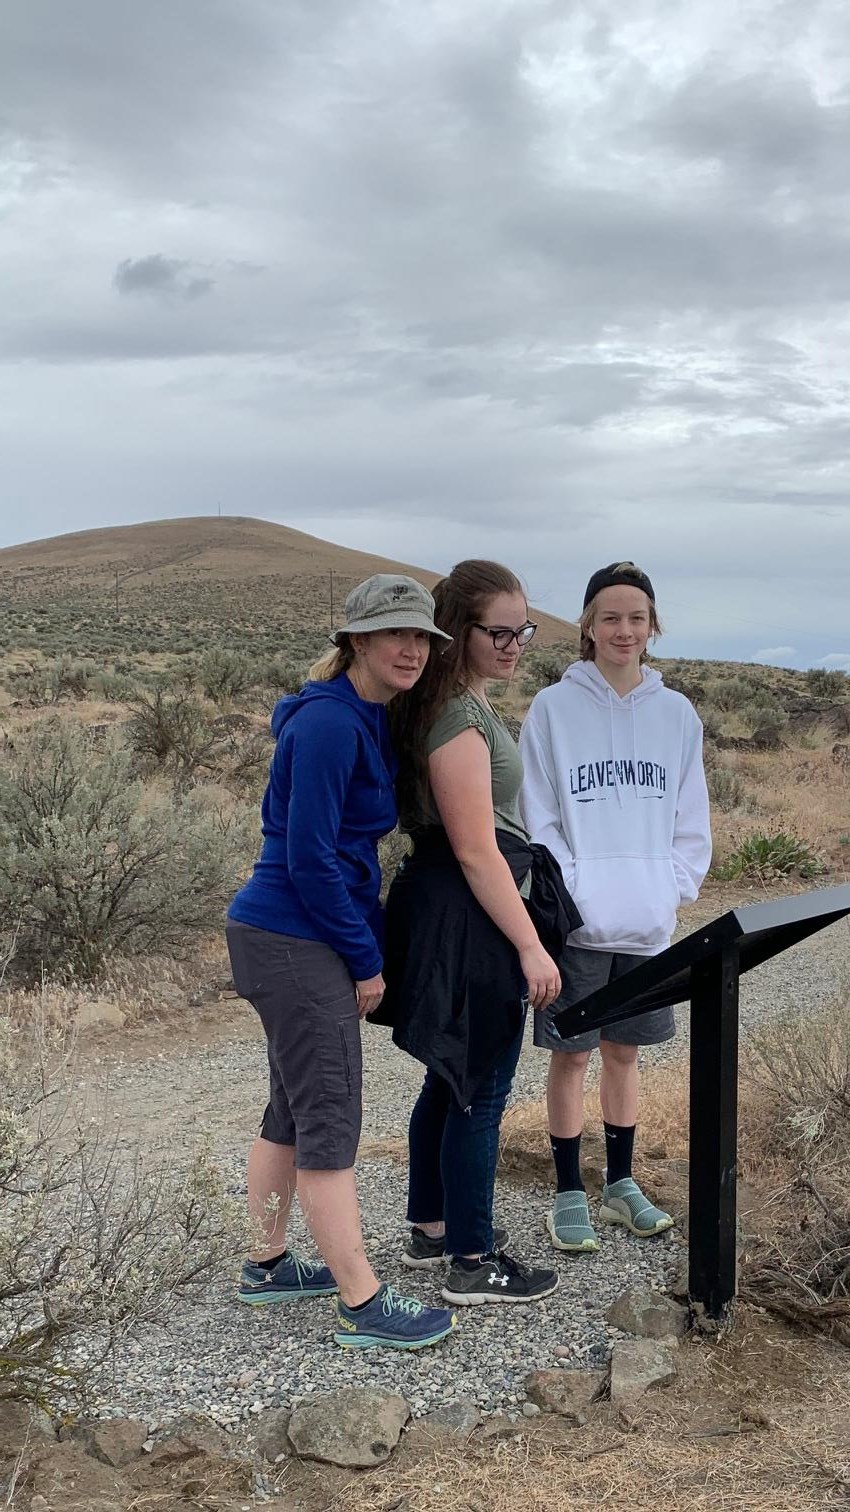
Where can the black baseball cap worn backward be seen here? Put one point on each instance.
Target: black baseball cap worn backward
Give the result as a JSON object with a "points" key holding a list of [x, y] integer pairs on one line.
{"points": [[615, 575]]}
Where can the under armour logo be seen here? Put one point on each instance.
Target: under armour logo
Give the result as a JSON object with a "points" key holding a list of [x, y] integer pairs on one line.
{"points": [[496, 1280], [399, 591]]}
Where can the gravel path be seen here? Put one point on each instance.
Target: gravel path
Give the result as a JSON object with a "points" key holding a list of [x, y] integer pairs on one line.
{"points": [[231, 1362]]}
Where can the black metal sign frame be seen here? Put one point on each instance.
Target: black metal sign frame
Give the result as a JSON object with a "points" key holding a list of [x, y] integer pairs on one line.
{"points": [[705, 968]]}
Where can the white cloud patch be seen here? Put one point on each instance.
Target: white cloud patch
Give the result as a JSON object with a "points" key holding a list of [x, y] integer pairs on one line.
{"points": [[835, 661], [782, 656]]}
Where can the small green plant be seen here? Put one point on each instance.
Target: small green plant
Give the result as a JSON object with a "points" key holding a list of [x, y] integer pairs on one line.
{"points": [[765, 857]]}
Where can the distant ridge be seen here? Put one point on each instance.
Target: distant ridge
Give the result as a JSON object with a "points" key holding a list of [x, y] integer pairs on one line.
{"points": [[183, 554]]}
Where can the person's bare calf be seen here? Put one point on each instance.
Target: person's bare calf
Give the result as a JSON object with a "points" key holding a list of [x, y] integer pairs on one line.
{"points": [[329, 1203]]}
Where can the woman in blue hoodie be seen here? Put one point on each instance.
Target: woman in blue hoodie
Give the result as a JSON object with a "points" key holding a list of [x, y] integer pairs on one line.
{"points": [[614, 786], [305, 936]]}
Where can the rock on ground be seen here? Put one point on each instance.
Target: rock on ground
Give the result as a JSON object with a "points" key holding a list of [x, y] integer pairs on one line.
{"points": [[649, 1314], [116, 1442], [638, 1365], [353, 1428], [272, 1434], [457, 1417], [569, 1393]]}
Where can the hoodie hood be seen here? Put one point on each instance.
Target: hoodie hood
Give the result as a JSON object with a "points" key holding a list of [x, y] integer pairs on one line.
{"points": [[340, 688], [586, 675]]}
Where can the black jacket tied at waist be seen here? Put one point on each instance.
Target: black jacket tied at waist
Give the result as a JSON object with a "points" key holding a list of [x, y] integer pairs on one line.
{"points": [[454, 984]]}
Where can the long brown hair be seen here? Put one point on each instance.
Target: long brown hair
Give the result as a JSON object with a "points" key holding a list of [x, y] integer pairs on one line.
{"points": [[460, 601], [587, 645]]}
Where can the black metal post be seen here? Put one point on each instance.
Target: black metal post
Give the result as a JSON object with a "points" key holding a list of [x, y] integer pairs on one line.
{"points": [[712, 1250]]}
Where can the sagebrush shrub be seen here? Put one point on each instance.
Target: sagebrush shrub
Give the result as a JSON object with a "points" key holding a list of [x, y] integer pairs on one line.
{"points": [[225, 674], [826, 684], [726, 790], [172, 732], [91, 863]]}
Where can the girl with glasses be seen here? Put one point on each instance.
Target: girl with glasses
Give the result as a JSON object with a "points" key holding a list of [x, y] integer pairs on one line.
{"points": [[463, 949]]}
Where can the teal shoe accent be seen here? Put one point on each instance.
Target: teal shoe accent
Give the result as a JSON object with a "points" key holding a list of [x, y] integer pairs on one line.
{"points": [[569, 1224], [624, 1202], [391, 1321], [291, 1279]]}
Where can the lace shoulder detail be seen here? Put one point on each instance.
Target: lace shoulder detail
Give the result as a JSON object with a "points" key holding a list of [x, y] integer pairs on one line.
{"points": [[475, 716]]}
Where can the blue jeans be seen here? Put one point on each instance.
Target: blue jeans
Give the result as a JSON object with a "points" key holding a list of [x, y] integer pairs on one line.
{"points": [[453, 1156]]}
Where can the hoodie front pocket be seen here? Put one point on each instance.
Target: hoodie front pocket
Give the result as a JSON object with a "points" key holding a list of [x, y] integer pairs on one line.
{"points": [[626, 902]]}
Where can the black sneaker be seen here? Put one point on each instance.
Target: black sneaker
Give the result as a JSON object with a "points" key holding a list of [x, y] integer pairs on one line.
{"points": [[423, 1253], [498, 1278]]}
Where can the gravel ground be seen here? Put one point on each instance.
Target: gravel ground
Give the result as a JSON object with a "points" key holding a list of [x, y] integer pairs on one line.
{"points": [[232, 1362]]}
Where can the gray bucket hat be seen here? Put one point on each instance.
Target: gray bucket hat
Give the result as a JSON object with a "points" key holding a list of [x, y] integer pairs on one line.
{"points": [[388, 602]]}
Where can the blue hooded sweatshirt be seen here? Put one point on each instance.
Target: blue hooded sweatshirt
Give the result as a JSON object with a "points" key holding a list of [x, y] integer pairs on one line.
{"points": [[330, 798]]}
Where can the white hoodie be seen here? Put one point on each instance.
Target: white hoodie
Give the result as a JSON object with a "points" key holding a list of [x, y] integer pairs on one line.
{"points": [[615, 788]]}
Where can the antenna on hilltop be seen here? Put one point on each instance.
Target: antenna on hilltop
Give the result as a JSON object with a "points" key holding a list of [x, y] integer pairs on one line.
{"points": [[219, 511]]}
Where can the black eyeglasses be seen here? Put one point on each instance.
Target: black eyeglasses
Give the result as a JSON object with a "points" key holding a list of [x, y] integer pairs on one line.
{"points": [[501, 636]]}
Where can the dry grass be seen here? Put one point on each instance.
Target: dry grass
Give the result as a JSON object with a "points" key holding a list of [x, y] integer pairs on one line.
{"points": [[733, 1435], [801, 790], [143, 989]]}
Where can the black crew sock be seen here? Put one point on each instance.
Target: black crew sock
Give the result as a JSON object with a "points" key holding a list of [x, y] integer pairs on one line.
{"points": [[467, 1265], [269, 1265], [619, 1147], [360, 1306], [565, 1153]]}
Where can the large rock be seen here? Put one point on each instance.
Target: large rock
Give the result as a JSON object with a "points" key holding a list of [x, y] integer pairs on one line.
{"points": [[188, 1437], [639, 1365], [648, 1314], [461, 1416], [272, 1433], [569, 1393], [116, 1442], [355, 1427], [21, 1427]]}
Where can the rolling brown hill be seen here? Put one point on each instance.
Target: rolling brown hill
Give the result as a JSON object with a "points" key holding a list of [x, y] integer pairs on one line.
{"points": [[198, 574]]}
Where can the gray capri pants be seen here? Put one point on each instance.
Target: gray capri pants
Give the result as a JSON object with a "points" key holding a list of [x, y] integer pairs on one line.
{"points": [[583, 972], [304, 995]]}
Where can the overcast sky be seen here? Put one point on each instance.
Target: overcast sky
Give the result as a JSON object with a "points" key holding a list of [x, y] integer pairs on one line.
{"points": [[552, 283]]}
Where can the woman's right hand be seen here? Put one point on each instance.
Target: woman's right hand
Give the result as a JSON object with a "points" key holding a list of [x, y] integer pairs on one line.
{"points": [[541, 975], [369, 994]]}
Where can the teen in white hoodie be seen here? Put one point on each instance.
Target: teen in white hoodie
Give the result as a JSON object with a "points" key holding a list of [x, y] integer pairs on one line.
{"points": [[614, 786]]}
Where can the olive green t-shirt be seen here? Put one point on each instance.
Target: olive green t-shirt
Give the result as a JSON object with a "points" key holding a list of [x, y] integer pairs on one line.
{"points": [[466, 712]]}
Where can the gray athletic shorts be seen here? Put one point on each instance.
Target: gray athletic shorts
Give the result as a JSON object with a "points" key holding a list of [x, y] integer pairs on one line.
{"points": [[305, 997], [583, 972]]}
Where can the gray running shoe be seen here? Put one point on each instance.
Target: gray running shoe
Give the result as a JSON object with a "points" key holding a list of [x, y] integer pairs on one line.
{"points": [[498, 1278]]}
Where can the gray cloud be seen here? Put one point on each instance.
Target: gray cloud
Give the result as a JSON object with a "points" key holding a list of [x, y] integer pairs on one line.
{"points": [[156, 274], [568, 277]]}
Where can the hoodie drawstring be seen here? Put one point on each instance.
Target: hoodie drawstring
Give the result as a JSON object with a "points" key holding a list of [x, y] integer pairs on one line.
{"points": [[617, 783]]}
